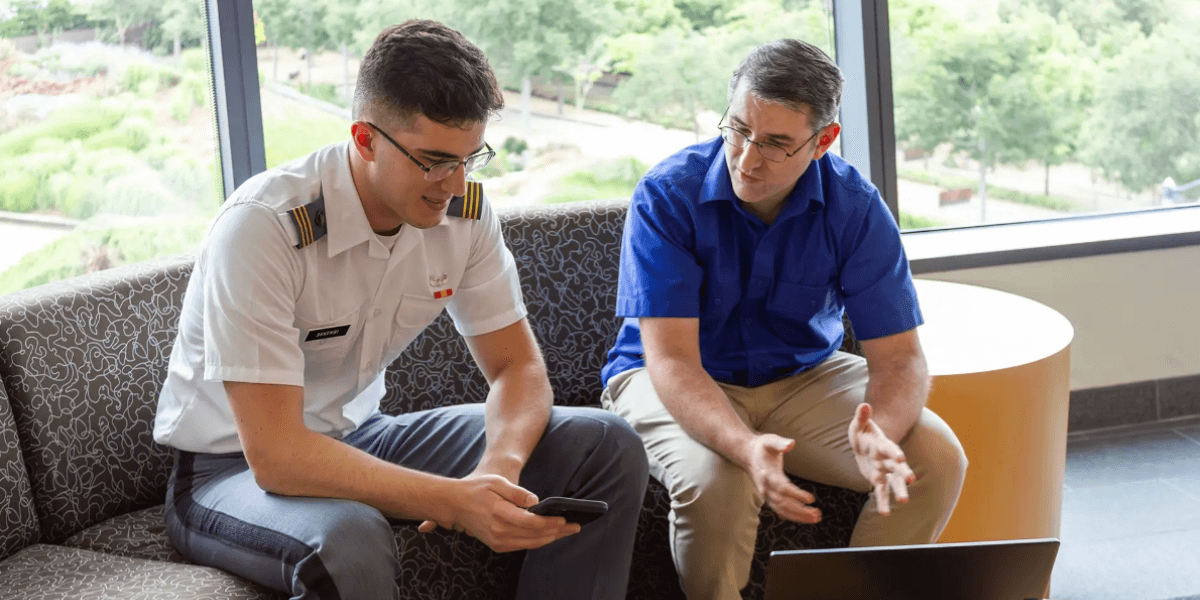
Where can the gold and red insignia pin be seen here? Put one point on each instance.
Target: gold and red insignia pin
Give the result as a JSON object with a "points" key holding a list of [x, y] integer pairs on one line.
{"points": [[446, 293]]}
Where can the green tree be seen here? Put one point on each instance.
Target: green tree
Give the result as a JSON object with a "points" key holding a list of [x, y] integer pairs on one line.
{"points": [[990, 91], [1145, 125], [524, 38], [586, 69], [678, 75], [296, 24], [675, 77], [342, 25], [1051, 94], [41, 18], [183, 21], [124, 14]]}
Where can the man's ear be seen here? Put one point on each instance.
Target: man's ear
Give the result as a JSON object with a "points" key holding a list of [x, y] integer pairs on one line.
{"points": [[363, 138], [826, 138]]}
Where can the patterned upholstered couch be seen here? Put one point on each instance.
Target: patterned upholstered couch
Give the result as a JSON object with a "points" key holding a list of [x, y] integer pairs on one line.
{"points": [[82, 481]]}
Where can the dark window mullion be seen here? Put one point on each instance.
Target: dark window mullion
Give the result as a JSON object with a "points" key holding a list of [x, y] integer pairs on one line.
{"points": [[868, 129], [237, 104]]}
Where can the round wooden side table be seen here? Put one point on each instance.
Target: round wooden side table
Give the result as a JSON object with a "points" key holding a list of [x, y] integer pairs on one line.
{"points": [[1001, 379]]}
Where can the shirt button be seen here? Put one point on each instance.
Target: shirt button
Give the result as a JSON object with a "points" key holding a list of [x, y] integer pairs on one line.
{"points": [[377, 313], [717, 301]]}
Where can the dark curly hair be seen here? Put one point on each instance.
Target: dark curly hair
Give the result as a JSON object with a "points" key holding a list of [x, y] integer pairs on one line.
{"points": [[423, 67]]}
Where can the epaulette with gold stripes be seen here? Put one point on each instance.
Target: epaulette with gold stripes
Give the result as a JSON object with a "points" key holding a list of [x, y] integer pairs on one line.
{"points": [[469, 206], [309, 221]]}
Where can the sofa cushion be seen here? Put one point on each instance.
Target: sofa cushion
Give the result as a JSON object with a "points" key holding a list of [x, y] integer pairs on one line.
{"points": [[83, 361], [139, 534], [18, 519], [48, 572]]}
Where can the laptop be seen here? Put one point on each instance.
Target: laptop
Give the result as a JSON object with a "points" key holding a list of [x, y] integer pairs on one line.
{"points": [[994, 570]]}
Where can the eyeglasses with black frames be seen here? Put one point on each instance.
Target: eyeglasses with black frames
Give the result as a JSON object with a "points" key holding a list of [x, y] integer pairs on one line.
{"points": [[441, 170], [740, 138]]}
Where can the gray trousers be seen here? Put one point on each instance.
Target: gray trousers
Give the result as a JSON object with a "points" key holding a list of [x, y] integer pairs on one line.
{"points": [[329, 548]]}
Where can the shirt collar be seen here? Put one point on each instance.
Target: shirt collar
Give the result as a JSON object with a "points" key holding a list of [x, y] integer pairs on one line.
{"points": [[719, 186], [348, 225]]}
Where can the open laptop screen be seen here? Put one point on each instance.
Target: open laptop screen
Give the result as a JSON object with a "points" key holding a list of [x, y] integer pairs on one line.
{"points": [[994, 570]]}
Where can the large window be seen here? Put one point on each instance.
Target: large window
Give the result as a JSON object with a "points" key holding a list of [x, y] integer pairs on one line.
{"points": [[1024, 110], [597, 91], [1004, 110], [106, 136]]}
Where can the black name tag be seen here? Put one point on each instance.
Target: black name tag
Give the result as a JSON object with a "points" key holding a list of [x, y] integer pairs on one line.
{"points": [[328, 332]]}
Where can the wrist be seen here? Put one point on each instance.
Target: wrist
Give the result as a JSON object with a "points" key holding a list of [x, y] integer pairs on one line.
{"points": [[505, 465]]}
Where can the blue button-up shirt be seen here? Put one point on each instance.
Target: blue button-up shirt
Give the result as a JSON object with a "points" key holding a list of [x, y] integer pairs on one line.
{"points": [[769, 297]]}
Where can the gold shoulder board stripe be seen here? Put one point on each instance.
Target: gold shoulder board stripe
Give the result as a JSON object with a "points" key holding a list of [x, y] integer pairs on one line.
{"points": [[468, 206], [309, 221]]}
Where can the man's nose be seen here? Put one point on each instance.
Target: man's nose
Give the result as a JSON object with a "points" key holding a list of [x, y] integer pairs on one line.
{"points": [[456, 183], [750, 157]]}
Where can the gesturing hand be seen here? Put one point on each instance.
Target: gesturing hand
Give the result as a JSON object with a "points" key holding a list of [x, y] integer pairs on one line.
{"points": [[880, 460], [766, 471], [492, 509]]}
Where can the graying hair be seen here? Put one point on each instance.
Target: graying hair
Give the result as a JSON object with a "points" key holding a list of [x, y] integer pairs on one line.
{"points": [[795, 74]]}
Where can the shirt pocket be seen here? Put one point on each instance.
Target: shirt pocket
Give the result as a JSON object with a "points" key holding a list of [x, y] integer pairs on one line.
{"points": [[323, 340], [417, 312]]}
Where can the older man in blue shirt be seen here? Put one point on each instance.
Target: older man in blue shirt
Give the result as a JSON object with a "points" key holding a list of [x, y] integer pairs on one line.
{"points": [[740, 255]]}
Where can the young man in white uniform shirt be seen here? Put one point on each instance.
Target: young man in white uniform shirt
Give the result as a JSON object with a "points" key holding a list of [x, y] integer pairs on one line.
{"points": [[312, 280]]}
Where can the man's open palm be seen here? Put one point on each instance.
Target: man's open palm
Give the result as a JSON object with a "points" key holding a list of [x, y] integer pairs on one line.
{"points": [[880, 460]]}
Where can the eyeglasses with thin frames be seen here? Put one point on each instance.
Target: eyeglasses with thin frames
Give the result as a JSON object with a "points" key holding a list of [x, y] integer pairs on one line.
{"points": [[773, 152], [441, 170]]}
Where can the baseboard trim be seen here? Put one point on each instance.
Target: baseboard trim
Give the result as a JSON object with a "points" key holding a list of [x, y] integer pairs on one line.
{"points": [[1134, 403]]}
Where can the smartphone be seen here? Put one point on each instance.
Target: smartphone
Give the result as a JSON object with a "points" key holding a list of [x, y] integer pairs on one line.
{"points": [[572, 509]]}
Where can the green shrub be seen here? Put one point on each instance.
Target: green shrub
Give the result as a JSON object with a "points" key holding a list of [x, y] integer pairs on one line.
{"points": [[18, 192], [57, 260], [74, 122], [181, 105], [194, 60], [167, 78], [195, 86], [952, 183], [107, 163], [908, 221], [135, 74], [139, 193], [499, 165], [514, 145], [80, 198], [132, 133], [42, 164], [26, 70], [610, 179], [48, 144], [326, 92], [67, 256]]}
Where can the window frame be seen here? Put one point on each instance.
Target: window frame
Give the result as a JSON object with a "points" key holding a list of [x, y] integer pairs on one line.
{"points": [[863, 50]]}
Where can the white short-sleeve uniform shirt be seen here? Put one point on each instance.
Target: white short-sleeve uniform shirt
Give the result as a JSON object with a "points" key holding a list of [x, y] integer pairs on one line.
{"points": [[329, 316]]}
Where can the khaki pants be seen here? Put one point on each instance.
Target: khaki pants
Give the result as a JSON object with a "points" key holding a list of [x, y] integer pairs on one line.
{"points": [[714, 507]]}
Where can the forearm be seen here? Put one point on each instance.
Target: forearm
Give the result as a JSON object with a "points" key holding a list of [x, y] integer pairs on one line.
{"points": [[701, 408], [288, 458], [897, 392], [306, 463], [517, 408]]}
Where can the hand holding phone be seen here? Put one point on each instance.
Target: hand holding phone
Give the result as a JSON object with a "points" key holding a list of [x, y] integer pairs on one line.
{"points": [[573, 510]]}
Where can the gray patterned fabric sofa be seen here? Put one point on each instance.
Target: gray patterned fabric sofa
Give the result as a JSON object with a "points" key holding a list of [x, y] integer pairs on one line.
{"points": [[82, 481]]}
